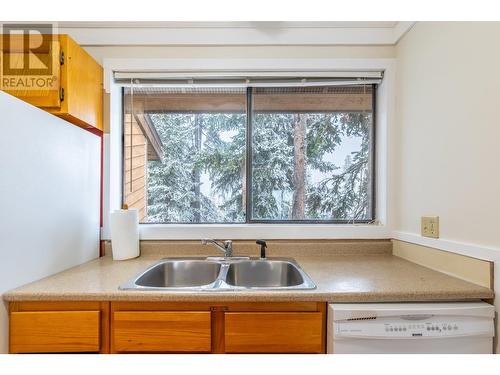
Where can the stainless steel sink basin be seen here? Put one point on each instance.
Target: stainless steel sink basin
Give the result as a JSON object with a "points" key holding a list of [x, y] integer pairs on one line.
{"points": [[264, 274], [180, 273], [221, 274]]}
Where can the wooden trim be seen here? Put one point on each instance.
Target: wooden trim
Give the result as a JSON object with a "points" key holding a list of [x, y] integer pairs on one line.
{"points": [[207, 306], [323, 309], [112, 328], [218, 318], [105, 328], [151, 135], [274, 306], [56, 305]]}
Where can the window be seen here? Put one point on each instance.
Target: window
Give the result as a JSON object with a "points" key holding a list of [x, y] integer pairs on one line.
{"points": [[243, 155]]}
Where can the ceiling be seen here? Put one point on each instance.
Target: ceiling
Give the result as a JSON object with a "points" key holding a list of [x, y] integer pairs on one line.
{"points": [[256, 24], [235, 33]]}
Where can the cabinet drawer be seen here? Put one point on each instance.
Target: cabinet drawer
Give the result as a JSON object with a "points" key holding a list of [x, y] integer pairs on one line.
{"points": [[161, 331], [276, 332], [54, 331]]}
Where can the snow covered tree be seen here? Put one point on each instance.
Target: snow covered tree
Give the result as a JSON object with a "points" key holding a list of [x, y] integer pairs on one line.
{"points": [[288, 148], [295, 172], [223, 157], [192, 144], [346, 195]]}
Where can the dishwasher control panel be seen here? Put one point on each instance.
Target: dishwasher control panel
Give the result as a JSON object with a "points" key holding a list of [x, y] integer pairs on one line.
{"points": [[419, 329], [401, 327], [411, 328]]}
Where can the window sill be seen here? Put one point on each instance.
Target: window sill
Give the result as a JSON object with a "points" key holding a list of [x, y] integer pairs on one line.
{"points": [[267, 231]]}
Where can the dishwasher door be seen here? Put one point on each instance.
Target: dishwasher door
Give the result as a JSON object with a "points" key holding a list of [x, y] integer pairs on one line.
{"points": [[443, 328]]}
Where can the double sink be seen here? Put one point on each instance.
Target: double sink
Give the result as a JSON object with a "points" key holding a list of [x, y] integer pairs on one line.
{"points": [[221, 274]]}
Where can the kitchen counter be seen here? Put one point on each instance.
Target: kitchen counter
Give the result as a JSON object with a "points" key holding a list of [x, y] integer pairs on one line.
{"points": [[367, 276]]}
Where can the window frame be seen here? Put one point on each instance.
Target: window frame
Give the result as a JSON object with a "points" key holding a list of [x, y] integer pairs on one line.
{"points": [[386, 164], [249, 166], [249, 155]]}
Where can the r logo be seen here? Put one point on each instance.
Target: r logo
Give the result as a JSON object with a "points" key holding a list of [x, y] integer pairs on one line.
{"points": [[27, 49]]}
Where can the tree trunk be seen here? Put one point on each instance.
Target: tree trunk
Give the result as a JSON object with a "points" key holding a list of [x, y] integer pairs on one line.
{"points": [[299, 173], [244, 188]]}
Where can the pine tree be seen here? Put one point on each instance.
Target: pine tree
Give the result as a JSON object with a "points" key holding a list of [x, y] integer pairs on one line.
{"points": [[286, 147], [345, 195], [192, 144]]}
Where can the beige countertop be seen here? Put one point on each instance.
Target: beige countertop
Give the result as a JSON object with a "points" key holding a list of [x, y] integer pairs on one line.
{"points": [[345, 276]]}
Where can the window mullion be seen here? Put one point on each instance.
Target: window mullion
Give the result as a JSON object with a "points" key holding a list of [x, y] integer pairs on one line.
{"points": [[248, 157]]}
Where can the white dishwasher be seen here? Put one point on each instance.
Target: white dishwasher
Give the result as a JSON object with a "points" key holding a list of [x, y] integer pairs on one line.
{"points": [[449, 327]]}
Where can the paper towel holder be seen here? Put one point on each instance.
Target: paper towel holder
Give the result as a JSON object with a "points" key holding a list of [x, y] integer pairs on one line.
{"points": [[125, 236]]}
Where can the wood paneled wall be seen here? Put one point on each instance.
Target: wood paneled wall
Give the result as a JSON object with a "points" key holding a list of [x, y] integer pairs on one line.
{"points": [[135, 159]]}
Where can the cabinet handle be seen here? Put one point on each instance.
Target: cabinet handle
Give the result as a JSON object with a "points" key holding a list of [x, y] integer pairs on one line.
{"points": [[61, 58], [61, 94]]}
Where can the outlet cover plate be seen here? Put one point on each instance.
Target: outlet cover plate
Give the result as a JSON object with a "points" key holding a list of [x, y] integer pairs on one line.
{"points": [[430, 226]]}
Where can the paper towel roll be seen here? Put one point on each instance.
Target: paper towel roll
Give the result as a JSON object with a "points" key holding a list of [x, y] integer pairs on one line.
{"points": [[124, 228]]}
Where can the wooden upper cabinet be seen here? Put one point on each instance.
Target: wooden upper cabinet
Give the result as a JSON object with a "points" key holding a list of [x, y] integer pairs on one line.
{"points": [[27, 88], [76, 91]]}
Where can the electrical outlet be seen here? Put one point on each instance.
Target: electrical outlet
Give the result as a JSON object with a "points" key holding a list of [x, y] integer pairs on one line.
{"points": [[430, 226]]}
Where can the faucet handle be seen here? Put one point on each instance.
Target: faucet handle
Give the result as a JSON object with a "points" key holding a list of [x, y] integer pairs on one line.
{"points": [[228, 245], [263, 246]]}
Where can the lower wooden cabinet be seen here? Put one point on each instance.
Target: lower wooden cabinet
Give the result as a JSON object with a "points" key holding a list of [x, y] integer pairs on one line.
{"points": [[275, 332], [167, 327], [59, 327], [161, 331], [234, 327]]}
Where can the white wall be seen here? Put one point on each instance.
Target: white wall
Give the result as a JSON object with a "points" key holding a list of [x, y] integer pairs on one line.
{"points": [[49, 197], [220, 52], [448, 100]]}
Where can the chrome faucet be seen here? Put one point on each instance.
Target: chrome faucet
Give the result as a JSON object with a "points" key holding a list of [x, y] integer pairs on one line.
{"points": [[227, 248]]}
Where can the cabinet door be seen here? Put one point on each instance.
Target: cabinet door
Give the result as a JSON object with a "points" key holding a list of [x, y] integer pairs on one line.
{"points": [[274, 332], [55, 331], [40, 91], [161, 331], [82, 79]]}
